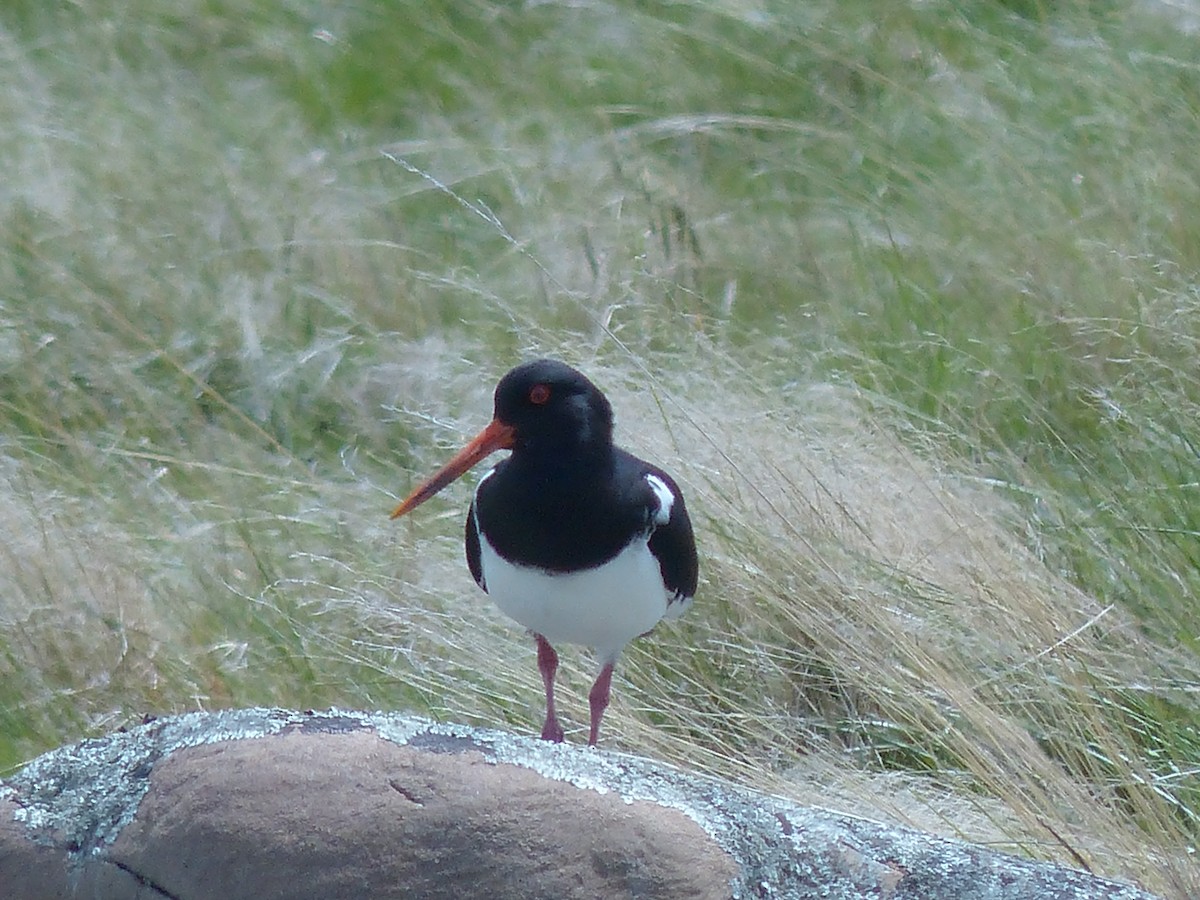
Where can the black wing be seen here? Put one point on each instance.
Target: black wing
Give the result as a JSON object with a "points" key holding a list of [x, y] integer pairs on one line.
{"points": [[472, 547], [674, 545]]}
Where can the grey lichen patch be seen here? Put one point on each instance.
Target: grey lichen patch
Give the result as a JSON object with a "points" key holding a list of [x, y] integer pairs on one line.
{"points": [[413, 731]]}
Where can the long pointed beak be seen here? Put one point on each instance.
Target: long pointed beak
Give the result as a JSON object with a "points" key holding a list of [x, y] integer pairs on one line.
{"points": [[497, 436]]}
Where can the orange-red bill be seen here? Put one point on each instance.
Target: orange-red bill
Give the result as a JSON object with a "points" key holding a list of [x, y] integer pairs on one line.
{"points": [[497, 436]]}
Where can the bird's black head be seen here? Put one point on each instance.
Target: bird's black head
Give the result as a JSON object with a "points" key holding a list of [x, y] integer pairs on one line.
{"points": [[546, 413], [551, 406]]}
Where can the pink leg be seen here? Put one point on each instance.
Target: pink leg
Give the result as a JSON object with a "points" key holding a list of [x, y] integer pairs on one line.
{"points": [[548, 666], [598, 699]]}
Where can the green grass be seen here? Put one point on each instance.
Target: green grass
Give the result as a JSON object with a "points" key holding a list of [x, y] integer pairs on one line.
{"points": [[905, 296]]}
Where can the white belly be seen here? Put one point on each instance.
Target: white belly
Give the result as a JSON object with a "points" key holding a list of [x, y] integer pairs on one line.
{"points": [[604, 608]]}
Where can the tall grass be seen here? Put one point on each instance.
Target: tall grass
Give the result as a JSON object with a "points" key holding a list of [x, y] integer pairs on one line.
{"points": [[904, 295]]}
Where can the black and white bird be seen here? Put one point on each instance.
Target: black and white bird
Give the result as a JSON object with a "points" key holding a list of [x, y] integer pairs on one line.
{"points": [[573, 537]]}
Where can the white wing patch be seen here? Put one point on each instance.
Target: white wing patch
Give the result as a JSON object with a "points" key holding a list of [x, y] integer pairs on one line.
{"points": [[666, 499]]}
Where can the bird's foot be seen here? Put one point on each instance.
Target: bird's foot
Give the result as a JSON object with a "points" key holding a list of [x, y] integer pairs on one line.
{"points": [[552, 731]]}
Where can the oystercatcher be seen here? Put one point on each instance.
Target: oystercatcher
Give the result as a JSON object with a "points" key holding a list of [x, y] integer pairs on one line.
{"points": [[574, 538]]}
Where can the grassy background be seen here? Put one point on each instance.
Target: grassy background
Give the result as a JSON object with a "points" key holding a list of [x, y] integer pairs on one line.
{"points": [[905, 295]]}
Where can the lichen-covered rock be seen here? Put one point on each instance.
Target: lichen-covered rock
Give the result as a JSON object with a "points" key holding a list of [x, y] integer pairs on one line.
{"points": [[276, 804]]}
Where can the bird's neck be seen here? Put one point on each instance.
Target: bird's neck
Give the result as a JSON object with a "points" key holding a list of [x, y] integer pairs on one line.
{"points": [[576, 464], [547, 509]]}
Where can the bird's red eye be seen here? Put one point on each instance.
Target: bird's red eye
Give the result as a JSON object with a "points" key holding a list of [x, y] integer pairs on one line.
{"points": [[539, 394]]}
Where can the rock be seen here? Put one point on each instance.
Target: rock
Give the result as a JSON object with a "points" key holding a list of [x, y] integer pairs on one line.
{"points": [[275, 804]]}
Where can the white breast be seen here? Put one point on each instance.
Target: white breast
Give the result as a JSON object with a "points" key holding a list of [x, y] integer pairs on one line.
{"points": [[604, 607]]}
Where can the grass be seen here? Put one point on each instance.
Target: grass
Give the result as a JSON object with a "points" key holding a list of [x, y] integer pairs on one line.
{"points": [[905, 297]]}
